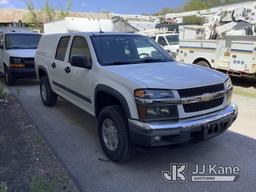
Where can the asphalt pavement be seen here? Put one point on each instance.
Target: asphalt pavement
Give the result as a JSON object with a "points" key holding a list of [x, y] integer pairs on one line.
{"points": [[72, 135]]}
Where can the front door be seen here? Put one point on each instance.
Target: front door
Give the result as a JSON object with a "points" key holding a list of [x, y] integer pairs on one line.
{"points": [[80, 79]]}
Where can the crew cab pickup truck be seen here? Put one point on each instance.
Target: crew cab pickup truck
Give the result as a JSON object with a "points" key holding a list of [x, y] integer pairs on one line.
{"points": [[141, 98], [17, 52]]}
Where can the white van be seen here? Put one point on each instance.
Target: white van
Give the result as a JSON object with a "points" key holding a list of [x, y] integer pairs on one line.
{"points": [[17, 51]]}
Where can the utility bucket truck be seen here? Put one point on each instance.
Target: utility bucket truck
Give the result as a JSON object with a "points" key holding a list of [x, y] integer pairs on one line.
{"points": [[234, 56], [225, 42]]}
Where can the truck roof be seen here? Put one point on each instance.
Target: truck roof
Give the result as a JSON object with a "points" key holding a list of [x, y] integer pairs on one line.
{"points": [[92, 33], [25, 33], [12, 30]]}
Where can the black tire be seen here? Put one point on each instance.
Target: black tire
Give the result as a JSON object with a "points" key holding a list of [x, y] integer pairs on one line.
{"points": [[203, 64], [8, 77], [49, 98], [124, 149]]}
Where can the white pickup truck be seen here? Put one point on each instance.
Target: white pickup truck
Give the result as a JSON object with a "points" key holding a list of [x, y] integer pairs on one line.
{"points": [[168, 40], [139, 98]]}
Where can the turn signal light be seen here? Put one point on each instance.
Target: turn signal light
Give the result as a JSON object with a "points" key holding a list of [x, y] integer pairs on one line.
{"points": [[17, 65], [139, 93]]}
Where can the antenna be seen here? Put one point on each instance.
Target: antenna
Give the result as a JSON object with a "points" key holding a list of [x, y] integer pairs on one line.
{"points": [[99, 21]]}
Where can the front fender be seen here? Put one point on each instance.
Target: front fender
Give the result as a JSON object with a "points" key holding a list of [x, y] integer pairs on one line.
{"points": [[114, 93]]}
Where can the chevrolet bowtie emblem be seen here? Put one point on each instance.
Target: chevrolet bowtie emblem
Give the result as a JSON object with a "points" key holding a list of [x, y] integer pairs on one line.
{"points": [[206, 97]]}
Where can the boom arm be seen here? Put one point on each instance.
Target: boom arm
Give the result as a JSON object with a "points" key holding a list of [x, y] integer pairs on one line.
{"points": [[223, 19]]}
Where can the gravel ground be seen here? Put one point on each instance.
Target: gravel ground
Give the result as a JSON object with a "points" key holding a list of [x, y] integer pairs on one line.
{"points": [[26, 162]]}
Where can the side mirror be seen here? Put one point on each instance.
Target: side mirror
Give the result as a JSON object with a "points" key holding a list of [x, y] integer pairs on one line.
{"points": [[81, 61]]}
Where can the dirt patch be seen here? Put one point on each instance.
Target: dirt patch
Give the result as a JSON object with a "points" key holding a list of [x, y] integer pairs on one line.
{"points": [[26, 162]]}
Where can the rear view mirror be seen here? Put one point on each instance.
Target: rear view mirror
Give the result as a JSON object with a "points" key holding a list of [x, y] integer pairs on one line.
{"points": [[81, 61]]}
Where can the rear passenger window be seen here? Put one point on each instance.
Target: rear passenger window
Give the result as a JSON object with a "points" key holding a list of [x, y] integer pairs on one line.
{"points": [[62, 48], [80, 48]]}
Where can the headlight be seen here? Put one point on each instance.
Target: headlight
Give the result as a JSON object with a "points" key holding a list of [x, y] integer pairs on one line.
{"points": [[153, 94], [152, 105], [15, 60], [228, 84]]}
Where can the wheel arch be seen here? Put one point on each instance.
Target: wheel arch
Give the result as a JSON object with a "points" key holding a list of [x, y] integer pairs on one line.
{"points": [[111, 95], [41, 72], [202, 59]]}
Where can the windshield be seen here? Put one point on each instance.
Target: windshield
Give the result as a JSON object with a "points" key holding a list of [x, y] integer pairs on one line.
{"points": [[22, 41], [128, 49], [172, 39]]}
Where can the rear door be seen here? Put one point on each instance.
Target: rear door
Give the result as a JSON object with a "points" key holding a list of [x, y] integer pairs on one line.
{"points": [[58, 66]]}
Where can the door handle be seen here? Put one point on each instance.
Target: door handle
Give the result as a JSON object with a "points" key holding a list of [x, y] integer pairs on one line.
{"points": [[53, 65], [67, 69]]}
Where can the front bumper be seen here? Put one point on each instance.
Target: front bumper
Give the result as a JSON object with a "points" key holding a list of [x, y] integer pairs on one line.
{"points": [[174, 132], [22, 72]]}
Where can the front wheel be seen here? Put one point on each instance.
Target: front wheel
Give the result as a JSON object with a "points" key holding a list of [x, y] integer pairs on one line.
{"points": [[113, 134], [8, 77], [203, 64], [49, 98]]}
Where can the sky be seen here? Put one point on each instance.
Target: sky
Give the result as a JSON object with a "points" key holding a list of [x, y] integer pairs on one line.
{"points": [[116, 6]]}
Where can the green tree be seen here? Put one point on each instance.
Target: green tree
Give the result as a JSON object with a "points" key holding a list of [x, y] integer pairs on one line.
{"points": [[48, 12], [194, 5]]}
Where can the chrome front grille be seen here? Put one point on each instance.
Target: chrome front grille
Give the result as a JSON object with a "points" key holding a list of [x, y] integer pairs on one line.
{"points": [[202, 98], [200, 106], [200, 90]]}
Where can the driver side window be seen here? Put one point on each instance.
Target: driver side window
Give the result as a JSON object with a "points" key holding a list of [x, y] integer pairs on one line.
{"points": [[80, 48], [161, 40]]}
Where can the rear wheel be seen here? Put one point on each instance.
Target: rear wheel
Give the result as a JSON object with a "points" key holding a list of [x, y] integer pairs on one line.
{"points": [[203, 64], [8, 77], [49, 98], [113, 134]]}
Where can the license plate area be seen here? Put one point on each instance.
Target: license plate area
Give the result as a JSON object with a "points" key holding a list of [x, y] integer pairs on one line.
{"points": [[214, 129]]}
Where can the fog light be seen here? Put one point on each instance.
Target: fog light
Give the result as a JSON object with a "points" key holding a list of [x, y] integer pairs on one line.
{"points": [[158, 138]]}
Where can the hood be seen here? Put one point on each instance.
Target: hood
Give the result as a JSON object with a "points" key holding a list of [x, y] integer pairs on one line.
{"points": [[21, 52], [171, 75]]}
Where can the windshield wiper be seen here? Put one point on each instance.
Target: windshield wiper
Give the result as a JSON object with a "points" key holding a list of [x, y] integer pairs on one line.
{"points": [[149, 60], [121, 63]]}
